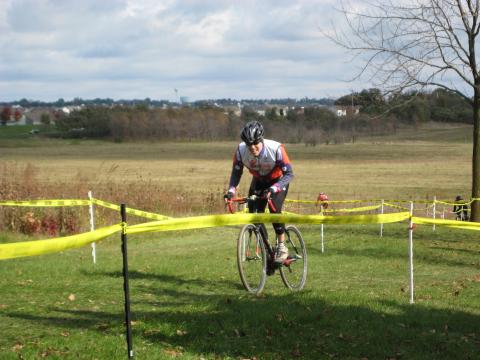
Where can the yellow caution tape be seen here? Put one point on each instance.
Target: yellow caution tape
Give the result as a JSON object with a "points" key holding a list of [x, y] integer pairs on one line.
{"points": [[75, 202], [452, 223], [106, 204], [395, 206], [359, 209], [199, 222], [454, 203], [330, 201], [139, 213], [46, 203], [40, 247]]}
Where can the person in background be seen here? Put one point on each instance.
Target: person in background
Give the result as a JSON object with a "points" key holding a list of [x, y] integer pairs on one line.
{"points": [[460, 209], [322, 201]]}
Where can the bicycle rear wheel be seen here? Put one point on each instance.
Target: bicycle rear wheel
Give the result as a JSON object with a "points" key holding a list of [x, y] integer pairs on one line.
{"points": [[251, 259], [294, 269]]}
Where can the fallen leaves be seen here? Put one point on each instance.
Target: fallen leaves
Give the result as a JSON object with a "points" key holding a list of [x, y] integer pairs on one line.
{"points": [[178, 351], [239, 333], [17, 347]]}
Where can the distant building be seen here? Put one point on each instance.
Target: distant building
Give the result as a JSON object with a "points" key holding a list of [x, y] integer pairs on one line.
{"points": [[341, 110], [280, 110], [34, 115], [17, 115]]}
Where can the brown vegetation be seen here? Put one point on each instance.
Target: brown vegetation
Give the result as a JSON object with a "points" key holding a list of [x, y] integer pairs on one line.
{"points": [[22, 183]]}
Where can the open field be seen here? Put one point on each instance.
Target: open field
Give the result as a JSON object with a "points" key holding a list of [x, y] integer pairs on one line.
{"points": [[371, 168], [187, 301]]}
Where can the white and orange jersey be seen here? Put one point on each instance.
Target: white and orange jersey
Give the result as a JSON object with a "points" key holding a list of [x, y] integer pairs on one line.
{"points": [[272, 166]]}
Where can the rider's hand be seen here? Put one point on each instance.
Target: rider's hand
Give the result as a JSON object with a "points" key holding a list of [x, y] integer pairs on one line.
{"points": [[269, 192], [229, 195]]}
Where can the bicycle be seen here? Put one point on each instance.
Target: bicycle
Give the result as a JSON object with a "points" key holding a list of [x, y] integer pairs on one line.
{"points": [[255, 254]]}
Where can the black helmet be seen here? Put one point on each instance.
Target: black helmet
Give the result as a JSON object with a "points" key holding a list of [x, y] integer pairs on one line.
{"points": [[252, 133]]}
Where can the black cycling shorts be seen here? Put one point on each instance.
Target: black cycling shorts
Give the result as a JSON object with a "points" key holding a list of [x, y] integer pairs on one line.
{"points": [[257, 188]]}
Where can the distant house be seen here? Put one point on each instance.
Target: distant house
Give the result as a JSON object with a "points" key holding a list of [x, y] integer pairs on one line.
{"points": [[341, 110], [280, 110], [17, 115], [236, 110]]}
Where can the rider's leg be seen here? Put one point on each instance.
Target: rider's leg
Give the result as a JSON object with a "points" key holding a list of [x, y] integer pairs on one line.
{"points": [[278, 200], [258, 206]]}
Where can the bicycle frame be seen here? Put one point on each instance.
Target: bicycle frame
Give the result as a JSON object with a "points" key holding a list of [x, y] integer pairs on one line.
{"points": [[261, 248], [263, 234]]}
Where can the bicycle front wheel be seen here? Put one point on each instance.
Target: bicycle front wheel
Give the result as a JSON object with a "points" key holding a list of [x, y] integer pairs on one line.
{"points": [[294, 269], [251, 259]]}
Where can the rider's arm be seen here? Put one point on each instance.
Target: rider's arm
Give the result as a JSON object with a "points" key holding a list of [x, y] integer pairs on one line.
{"points": [[237, 171], [283, 162]]}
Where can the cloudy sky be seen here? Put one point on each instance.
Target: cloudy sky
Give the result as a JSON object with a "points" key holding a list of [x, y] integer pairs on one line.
{"points": [[206, 49]]}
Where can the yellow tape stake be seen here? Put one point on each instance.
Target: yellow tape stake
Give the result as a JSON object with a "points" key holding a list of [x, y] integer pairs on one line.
{"points": [[199, 222], [40, 247]]}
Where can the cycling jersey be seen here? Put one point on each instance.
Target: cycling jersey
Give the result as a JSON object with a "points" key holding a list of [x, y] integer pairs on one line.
{"points": [[271, 167]]}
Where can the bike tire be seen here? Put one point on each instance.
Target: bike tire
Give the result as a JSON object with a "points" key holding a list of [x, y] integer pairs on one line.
{"points": [[251, 259], [294, 275]]}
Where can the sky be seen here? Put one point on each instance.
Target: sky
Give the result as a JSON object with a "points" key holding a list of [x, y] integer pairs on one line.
{"points": [[164, 49]]}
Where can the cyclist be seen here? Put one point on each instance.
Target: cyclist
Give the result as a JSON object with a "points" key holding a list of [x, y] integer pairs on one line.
{"points": [[271, 171]]}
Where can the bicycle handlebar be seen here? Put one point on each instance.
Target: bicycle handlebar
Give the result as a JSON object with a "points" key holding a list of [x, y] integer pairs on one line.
{"points": [[251, 198]]}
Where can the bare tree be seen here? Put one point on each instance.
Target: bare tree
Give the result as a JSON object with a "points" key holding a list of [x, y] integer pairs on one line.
{"points": [[413, 44]]}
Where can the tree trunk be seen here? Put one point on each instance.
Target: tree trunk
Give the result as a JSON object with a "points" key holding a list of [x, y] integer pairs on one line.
{"points": [[475, 214]]}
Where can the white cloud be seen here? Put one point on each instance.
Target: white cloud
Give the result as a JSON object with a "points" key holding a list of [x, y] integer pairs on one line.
{"points": [[145, 48]]}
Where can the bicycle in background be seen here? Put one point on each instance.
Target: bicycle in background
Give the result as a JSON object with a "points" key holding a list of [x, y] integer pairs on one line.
{"points": [[255, 254]]}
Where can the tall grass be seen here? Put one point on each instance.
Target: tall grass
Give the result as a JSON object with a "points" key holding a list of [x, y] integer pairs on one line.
{"points": [[22, 182]]}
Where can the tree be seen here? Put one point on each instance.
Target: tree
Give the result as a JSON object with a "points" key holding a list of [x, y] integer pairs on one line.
{"points": [[415, 44], [5, 115], [17, 115], [45, 119], [88, 122]]}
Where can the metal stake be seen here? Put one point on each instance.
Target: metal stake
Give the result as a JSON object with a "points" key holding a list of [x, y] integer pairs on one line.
{"points": [[126, 289]]}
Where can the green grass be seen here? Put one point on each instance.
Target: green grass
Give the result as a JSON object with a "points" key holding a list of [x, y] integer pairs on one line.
{"points": [[187, 300]]}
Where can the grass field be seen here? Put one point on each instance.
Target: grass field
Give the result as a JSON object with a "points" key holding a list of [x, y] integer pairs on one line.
{"points": [[187, 301]]}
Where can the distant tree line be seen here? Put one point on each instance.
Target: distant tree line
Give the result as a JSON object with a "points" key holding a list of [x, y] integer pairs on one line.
{"points": [[141, 122], [412, 108], [314, 124], [310, 125], [165, 103]]}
